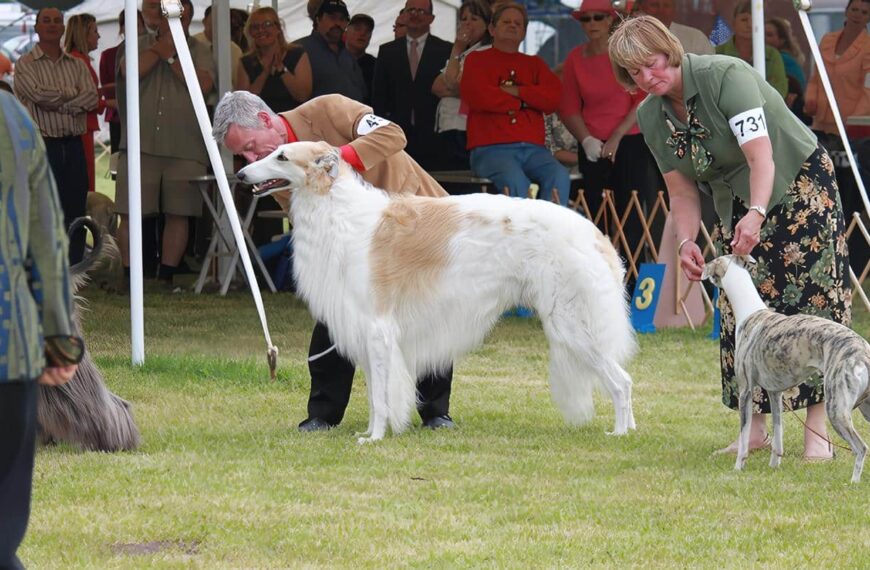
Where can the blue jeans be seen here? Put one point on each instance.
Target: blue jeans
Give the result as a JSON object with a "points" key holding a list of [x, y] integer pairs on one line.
{"points": [[516, 165]]}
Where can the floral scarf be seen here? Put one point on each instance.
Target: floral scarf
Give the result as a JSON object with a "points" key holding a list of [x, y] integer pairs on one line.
{"points": [[689, 140]]}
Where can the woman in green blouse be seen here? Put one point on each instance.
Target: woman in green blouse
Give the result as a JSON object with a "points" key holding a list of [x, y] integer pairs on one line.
{"points": [[713, 124]]}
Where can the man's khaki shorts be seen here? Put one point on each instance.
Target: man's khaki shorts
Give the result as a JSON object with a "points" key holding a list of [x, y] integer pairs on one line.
{"points": [[167, 186]]}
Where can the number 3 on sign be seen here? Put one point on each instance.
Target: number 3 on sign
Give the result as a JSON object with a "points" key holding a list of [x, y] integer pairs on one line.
{"points": [[646, 296]]}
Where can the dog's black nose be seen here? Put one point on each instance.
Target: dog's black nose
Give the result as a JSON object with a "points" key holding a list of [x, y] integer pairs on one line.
{"points": [[240, 175]]}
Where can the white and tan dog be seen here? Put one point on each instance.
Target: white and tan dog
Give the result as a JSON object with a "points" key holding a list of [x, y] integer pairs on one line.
{"points": [[778, 352], [408, 284]]}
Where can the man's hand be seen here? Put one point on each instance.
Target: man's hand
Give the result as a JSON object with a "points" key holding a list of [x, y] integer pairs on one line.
{"points": [[57, 375], [511, 90]]}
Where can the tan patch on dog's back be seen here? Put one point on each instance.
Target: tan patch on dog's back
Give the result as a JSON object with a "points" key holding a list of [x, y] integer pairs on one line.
{"points": [[410, 248]]}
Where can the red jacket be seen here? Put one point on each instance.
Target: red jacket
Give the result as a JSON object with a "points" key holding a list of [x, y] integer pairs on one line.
{"points": [[495, 117]]}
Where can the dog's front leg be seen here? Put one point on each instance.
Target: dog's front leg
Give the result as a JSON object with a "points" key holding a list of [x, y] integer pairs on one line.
{"points": [[744, 402], [380, 344], [776, 449], [367, 371]]}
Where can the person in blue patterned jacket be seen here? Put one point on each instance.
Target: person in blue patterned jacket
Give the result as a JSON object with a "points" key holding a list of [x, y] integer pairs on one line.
{"points": [[36, 299]]}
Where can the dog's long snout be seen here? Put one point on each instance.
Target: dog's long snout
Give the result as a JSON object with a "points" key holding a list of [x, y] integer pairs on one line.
{"points": [[241, 175]]}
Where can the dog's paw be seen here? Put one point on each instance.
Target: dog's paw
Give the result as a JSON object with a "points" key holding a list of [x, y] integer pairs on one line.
{"points": [[365, 440]]}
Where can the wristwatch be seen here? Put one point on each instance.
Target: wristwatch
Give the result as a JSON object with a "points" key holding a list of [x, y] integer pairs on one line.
{"points": [[170, 60], [760, 209]]}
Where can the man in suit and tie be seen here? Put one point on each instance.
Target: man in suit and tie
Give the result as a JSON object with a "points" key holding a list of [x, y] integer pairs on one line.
{"points": [[404, 73], [246, 126]]}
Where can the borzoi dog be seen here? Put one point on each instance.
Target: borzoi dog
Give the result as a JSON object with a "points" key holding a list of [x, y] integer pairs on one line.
{"points": [[407, 284], [778, 352]]}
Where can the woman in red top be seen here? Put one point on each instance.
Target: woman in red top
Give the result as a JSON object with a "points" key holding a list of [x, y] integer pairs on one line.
{"points": [[600, 114], [81, 39], [507, 94]]}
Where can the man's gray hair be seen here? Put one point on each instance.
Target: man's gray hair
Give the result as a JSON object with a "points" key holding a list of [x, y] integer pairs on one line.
{"points": [[238, 108]]}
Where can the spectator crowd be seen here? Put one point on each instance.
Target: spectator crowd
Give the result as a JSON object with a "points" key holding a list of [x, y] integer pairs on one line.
{"points": [[529, 129]]}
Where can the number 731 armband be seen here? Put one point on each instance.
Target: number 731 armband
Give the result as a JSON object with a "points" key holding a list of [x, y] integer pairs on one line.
{"points": [[748, 125]]}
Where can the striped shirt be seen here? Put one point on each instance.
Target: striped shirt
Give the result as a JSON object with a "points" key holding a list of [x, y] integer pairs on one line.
{"points": [[57, 93]]}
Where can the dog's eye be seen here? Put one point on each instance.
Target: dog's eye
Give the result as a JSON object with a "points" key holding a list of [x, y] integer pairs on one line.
{"points": [[283, 158]]}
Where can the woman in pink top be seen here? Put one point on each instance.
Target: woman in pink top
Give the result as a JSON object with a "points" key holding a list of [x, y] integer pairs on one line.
{"points": [[600, 114], [82, 38], [847, 59]]}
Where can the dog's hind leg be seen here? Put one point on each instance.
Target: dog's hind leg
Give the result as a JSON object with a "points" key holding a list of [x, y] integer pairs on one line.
{"points": [[838, 406], [776, 419], [367, 371], [617, 382]]}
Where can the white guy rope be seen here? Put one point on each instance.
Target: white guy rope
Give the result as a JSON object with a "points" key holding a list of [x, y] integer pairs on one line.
{"points": [[173, 10]]}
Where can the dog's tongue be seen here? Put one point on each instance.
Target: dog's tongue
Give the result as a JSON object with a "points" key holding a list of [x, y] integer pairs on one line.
{"points": [[268, 185]]}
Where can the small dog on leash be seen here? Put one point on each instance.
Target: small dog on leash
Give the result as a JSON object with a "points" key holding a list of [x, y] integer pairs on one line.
{"points": [[83, 411], [407, 284], [778, 352]]}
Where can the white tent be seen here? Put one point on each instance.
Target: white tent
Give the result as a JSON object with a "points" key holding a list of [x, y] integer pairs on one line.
{"points": [[293, 13]]}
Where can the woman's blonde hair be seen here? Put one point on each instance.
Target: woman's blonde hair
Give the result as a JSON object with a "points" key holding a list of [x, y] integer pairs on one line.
{"points": [[272, 17], [76, 36], [635, 41]]}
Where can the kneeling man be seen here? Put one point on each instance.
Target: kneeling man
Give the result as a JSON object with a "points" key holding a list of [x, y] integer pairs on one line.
{"points": [[374, 147]]}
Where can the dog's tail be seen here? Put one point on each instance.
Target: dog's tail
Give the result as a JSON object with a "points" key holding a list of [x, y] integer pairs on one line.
{"points": [[91, 257], [85, 413], [571, 385]]}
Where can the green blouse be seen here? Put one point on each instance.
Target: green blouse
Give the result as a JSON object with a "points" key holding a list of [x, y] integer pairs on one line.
{"points": [[719, 88], [774, 66]]}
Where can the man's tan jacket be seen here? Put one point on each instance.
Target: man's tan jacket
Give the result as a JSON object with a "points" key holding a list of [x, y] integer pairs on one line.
{"points": [[339, 120]]}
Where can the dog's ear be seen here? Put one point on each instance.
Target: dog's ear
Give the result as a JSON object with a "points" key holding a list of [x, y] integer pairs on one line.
{"points": [[328, 162], [745, 261]]}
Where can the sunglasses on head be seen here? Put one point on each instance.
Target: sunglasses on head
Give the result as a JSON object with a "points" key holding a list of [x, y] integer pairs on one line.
{"points": [[586, 18]]}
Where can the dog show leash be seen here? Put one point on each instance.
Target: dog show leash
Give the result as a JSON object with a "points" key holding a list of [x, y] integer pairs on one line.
{"points": [[172, 10], [829, 441]]}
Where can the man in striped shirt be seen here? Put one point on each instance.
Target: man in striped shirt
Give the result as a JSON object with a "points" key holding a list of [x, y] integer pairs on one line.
{"points": [[58, 91]]}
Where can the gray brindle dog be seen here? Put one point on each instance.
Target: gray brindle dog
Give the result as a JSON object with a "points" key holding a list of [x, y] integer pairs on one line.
{"points": [[778, 352]]}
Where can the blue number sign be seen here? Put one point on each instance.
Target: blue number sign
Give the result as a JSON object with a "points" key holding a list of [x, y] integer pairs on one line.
{"points": [[646, 296]]}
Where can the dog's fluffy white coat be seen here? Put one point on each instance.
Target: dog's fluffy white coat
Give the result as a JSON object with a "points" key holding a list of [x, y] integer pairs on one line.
{"points": [[409, 284]]}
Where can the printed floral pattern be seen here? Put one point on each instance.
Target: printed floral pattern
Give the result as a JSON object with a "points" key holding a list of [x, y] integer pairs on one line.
{"points": [[689, 139], [803, 267]]}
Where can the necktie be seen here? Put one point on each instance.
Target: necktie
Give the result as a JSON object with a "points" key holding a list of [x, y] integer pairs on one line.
{"points": [[414, 58]]}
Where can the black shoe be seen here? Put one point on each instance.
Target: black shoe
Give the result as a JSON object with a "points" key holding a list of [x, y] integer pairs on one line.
{"points": [[444, 421], [315, 424]]}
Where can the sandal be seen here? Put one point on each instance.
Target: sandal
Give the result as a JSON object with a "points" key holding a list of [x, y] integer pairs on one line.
{"points": [[732, 449]]}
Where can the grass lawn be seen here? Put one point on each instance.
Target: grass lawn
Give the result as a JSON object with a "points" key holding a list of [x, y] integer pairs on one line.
{"points": [[224, 480]]}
